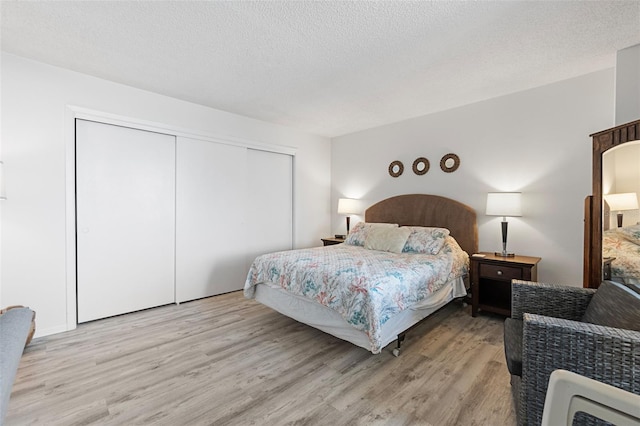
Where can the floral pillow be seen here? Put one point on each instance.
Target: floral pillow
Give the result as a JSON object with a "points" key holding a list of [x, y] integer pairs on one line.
{"points": [[425, 240], [631, 233], [358, 234]]}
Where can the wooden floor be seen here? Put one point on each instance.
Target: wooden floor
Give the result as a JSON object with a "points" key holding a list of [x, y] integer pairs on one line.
{"points": [[230, 361]]}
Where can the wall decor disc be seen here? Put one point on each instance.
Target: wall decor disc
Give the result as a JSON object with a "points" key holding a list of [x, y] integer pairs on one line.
{"points": [[420, 166], [450, 163], [396, 168]]}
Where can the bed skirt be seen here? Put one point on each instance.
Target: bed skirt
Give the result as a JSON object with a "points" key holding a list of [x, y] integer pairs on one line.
{"points": [[318, 316]]}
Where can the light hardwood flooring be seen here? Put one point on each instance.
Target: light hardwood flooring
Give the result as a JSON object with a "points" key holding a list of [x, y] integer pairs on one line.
{"points": [[226, 360]]}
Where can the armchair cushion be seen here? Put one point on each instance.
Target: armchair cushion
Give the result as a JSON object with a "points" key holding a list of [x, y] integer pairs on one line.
{"points": [[513, 345], [614, 305]]}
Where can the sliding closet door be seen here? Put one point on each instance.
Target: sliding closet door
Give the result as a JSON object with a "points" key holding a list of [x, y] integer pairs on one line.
{"points": [[210, 240], [270, 199], [125, 184]]}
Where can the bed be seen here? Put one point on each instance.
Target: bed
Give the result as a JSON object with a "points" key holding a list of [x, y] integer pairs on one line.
{"points": [[623, 246], [372, 297]]}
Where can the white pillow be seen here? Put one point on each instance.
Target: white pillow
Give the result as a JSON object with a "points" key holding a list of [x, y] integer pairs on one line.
{"points": [[630, 233], [387, 239], [359, 232]]}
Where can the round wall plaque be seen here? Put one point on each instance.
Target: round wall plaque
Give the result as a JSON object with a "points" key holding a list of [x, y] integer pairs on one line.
{"points": [[396, 168], [420, 166], [450, 163]]}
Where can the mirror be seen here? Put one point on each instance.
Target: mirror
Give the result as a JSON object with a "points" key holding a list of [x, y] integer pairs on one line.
{"points": [[603, 141], [620, 189]]}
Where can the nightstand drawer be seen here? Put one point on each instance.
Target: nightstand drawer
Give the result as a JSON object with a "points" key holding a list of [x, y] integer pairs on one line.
{"points": [[500, 272]]}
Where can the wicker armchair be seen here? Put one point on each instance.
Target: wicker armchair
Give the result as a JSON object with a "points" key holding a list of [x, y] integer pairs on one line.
{"points": [[552, 337]]}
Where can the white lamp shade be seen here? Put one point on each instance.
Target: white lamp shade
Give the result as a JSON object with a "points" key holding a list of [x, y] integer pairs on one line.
{"points": [[348, 206], [504, 204], [619, 202]]}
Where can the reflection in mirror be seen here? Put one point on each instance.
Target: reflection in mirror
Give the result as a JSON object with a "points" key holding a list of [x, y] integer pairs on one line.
{"points": [[620, 214]]}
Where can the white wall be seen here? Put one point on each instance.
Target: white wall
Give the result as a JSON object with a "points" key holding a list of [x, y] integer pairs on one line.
{"points": [[627, 85], [627, 108], [35, 135], [536, 141]]}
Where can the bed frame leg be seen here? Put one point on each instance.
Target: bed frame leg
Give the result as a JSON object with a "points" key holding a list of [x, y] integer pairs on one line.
{"points": [[396, 351]]}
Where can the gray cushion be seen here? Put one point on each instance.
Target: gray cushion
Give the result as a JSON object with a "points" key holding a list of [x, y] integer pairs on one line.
{"points": [[14, 329], [516, 385], [513, 345], [614, 305]]}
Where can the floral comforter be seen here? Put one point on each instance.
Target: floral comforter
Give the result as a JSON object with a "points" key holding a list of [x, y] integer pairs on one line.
{"points": [[623, 244], [366, 287]]}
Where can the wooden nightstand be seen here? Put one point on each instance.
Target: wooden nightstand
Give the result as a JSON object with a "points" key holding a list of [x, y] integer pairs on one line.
{"points": [[331, 241], [606, 267], [491, 277]]}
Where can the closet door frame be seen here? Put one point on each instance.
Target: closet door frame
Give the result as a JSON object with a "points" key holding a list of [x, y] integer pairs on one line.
{"points": [[72, 113]]}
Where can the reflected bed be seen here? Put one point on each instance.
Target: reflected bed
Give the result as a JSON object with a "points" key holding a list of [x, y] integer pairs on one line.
{"points": [[623, 245]]}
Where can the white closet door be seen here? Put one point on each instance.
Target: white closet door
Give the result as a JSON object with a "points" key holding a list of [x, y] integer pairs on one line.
{"points": [[270, 200], [211, 241], [125, 183]]}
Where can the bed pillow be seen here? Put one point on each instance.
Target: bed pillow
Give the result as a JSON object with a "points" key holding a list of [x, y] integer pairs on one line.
{"points": [[425, 240], [631, 233], [359, 232], [386, 239]]}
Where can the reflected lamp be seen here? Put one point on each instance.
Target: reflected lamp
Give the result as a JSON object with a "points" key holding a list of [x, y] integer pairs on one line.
{"points": [[504, 204], [621, 202]]}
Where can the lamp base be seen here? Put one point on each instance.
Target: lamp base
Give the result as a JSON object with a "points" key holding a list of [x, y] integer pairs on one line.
{"points": [[504, 254]]}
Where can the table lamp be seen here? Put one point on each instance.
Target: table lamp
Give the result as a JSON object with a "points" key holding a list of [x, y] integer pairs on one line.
{"points": [[348, 206], [620, 202], [504, 204]]}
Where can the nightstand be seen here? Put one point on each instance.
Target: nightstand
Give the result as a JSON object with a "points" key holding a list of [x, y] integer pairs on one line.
{"points": [[606, 267], [491, 277], [331, 241]]}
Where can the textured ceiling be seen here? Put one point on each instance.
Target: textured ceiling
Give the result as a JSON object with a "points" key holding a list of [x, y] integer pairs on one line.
{"points": [[329, 68]]}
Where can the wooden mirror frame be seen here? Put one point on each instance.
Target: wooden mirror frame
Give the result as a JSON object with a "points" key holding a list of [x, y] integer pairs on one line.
{"points": [[602, 142]]}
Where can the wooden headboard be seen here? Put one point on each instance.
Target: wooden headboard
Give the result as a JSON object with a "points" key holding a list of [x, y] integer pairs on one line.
{"points": [[429, 210]]}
